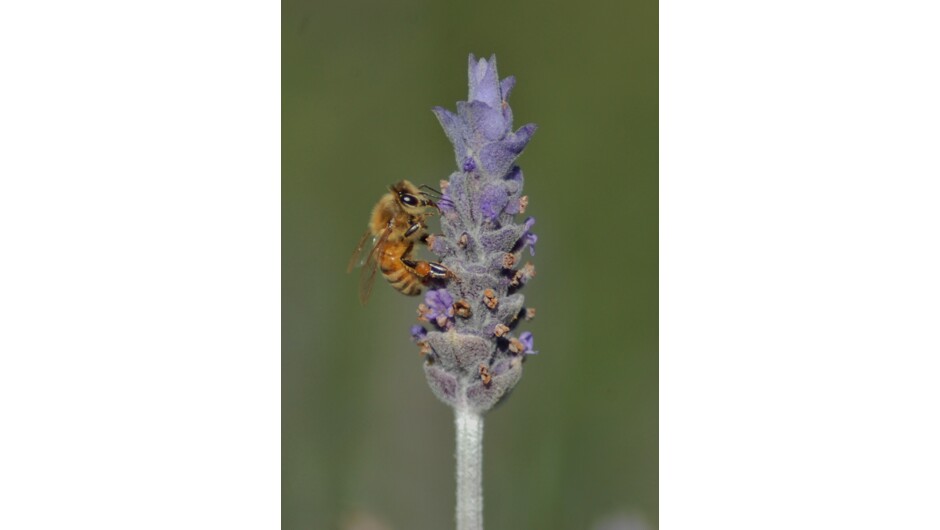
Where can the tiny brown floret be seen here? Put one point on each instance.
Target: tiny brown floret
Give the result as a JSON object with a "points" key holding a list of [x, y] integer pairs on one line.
{"points": [[425, 348], [489, 299], [523, 275], [501, 329], [523, 203], [509, 260], [529, 313], [462, 308], [516, 345], [463, 241], [485, 375]]}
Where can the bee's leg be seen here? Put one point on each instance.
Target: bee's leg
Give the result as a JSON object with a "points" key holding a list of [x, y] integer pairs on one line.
{"points": [[428, 270], [416, 227], [412, 229]]}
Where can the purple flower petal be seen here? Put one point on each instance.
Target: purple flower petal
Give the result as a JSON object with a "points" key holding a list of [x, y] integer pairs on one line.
{"points": [[454, 128], [418, 333], [529, 240], [449, 121], [505, 87], [517, 141], [526, 338], [484, 83]]}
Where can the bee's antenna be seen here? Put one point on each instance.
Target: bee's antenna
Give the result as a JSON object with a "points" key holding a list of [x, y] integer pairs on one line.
{"points": [[432, 190]]}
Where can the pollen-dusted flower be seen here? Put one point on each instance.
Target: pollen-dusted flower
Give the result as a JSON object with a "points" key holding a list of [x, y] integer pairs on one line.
{"points": [[440, 307], [480, 244]]}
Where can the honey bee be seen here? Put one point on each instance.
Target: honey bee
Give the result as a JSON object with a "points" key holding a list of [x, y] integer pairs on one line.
{"points": [[397, 223]]}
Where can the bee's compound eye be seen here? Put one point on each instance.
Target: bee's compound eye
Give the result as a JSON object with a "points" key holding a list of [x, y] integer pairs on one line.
{"points": [[409, 199]]}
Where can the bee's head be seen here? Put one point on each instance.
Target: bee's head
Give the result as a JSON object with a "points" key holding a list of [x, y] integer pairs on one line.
{"points": [[410, 197]]}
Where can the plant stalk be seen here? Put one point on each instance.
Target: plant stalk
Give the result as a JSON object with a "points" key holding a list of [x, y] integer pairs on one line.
{"points": [[469, 424]]}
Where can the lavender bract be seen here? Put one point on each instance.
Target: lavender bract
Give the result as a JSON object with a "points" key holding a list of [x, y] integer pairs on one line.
{"points": [[472, 358]]}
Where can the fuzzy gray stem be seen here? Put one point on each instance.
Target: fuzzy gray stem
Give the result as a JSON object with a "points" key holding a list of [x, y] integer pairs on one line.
{"points": [[469, 425]]}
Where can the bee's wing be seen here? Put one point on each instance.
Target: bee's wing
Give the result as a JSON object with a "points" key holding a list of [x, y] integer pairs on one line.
{"points": [[367, 275], [358, 258]]}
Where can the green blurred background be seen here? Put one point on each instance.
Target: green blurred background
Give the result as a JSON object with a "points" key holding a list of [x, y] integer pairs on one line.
{"points": [[365, 443]]}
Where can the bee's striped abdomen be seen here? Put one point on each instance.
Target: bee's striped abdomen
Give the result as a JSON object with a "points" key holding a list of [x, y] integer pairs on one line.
{"points": [[397, 274]]}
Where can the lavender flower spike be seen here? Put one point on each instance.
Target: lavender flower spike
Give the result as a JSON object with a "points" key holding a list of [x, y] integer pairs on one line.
{"points": [[473, 358]]}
